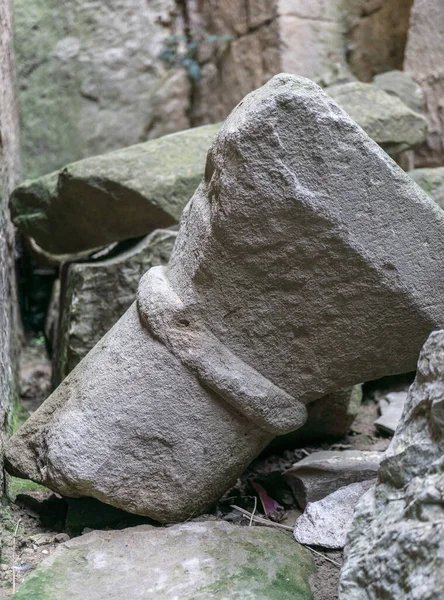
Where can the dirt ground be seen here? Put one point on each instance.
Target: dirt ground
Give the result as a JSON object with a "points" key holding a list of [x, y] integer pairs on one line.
{"points": [[34, 521]]}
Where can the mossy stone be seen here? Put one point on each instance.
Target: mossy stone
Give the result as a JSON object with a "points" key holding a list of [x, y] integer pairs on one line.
{"points": [[192, 561]]}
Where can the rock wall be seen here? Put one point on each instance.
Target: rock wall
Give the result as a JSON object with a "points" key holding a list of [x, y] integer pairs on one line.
{"points": [[90, 79], [9, 172], [376, 35], [97, 76], [424, 61]]}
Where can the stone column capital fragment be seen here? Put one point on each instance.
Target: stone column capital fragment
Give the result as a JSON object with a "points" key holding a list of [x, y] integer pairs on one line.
{"points": [[306, 261]]}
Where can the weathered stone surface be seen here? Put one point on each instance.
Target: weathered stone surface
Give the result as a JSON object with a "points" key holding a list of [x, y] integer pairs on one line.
{"points": [[283, 256], [322, 473], [423, 61], [191, 561], [327, 522], [87, 313], [403, 86], [385, 118], [391, 407], [9, 173], [396, 545], [87, 84], [432, 182], [115, 196]]}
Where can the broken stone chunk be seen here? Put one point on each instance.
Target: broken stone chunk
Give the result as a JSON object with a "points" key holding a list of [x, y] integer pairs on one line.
{"points": [[327, 522], [322, 473], [283, 256], [395, 548], [212, 559], [123, 194], [391, 407], [431, 181], [87, 312], [384, 117], [398, 83]]}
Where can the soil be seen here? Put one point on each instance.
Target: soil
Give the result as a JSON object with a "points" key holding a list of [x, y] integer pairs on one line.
{"points": [[34, 520]]}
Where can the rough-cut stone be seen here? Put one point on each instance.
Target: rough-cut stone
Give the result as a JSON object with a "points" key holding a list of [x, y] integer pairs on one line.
{"points": [[115, 196], [396, 545], [385, 118], [191, 561], [90, 79], [391, 407], [424, 62], [86, 312], [327, 522], [283, 256], [398, 83], [322, 473], [432, 182], [9, 173]]}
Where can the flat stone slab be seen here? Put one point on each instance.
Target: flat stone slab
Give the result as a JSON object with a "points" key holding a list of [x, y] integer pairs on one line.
{"points": [[322, 473], [327, 522], [211, 560], [307, 261], [116, 196], [384, 117]]}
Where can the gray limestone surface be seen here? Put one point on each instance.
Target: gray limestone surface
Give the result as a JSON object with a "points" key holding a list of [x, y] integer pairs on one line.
{"points": [[431, 180], [398, 83], [396, 545], [327, 522]]}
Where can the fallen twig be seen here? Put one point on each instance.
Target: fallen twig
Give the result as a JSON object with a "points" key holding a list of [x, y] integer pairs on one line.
{"points": [[254, 510], [14, 539], [268, 523], [261, 520]]}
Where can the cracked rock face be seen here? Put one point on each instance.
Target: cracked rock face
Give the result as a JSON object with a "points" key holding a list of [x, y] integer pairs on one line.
{"points": [[396, 546], [283, 256]]}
